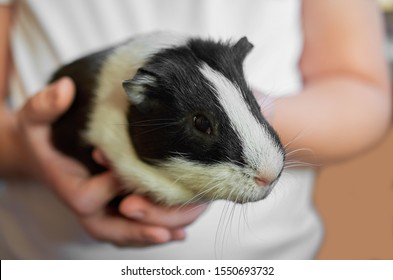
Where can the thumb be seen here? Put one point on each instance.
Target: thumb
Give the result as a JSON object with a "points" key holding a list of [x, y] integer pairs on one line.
{"points": [[47, 105]]}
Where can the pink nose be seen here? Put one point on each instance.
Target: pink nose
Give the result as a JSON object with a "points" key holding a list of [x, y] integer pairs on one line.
{"points": [[262, 181]]}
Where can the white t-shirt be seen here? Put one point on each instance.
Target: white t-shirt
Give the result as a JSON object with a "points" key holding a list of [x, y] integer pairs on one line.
{"points": [[46, 34]]}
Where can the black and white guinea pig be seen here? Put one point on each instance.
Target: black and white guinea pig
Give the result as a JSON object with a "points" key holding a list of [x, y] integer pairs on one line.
{"points": [[175, 118]]}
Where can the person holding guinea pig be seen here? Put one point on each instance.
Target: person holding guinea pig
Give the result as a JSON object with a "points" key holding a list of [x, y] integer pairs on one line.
{"points": [[317, 70]]}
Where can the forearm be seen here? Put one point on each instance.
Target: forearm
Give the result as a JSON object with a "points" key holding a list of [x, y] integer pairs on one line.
{"points": [[332, 119], [5, 23], [10, 149], [13, 160]]}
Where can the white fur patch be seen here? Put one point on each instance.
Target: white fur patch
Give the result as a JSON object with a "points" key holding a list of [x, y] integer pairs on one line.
{"points": [[260, 150]]}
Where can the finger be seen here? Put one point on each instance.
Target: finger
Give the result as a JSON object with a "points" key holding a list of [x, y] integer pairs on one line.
{"points": [[91, 195], [123, 232], [143, 210], [34, 121], [178, 234], [50, 103], [100, 158]]}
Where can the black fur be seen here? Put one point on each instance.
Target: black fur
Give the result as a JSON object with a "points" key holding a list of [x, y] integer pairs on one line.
{"points": [[179, 93], [67, 129]]}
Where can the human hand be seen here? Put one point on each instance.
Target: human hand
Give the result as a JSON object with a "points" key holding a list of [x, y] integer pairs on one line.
{"points": [[138, 222]]}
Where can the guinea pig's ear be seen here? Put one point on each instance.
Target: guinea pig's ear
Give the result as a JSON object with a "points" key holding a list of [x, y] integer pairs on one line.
{"points": [[242, 48], [137, 86]]}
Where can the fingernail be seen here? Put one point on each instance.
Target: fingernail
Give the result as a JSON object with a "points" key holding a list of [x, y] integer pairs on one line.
{"points": [[137, 215]]}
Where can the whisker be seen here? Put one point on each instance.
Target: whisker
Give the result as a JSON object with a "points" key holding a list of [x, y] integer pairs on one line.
{"points": [[292, 164], [199, 195], [296, 138], [300, 150], [245, 217], [295, 165], [193, 208], [152, 130], [230, 219], [239, 216], [152, 120], [219, 231], [222, 233], [264, 99], [180, 154], [152, 124], [236, 162]]}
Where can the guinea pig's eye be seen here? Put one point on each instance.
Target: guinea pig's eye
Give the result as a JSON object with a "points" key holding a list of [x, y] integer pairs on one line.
{"points": [[202, 124]]}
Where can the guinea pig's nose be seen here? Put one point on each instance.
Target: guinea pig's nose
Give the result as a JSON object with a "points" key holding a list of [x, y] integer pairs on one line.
{"points": [[262, 180]]}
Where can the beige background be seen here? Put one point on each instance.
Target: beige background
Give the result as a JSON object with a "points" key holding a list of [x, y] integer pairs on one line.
{"points": [[355, 200]]}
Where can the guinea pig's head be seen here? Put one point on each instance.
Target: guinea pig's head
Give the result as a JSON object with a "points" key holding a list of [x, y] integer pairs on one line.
{"points": [[193, 116]]}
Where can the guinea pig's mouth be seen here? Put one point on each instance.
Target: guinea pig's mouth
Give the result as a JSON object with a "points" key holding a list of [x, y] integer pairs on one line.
{"points": [[217, 181], [250, 191]]}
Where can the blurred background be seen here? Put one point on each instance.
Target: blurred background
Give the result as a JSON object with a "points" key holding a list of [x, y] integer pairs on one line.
{"points": [[355, 198]]}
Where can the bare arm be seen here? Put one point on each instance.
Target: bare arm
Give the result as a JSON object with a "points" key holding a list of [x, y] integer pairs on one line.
{"points": [[11, 155], [5, 22], [345, 106]]}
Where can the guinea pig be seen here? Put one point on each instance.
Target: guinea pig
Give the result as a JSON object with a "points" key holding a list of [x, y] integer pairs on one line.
{"points": [[175, 118]]}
